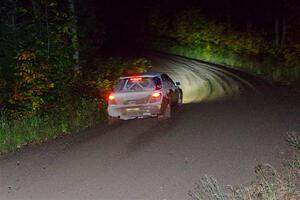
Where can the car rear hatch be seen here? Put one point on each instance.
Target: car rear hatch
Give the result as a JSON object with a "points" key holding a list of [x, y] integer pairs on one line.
{"points": [[137, 90], [138, 104], [133, 98]]}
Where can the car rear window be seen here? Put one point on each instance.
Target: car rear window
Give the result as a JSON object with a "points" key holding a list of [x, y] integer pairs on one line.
{"points": [[138, 84]]}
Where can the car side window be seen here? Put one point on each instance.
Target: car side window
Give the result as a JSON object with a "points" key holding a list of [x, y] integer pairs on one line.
{"points": [[157, 83], [170, 80], [165, 81]]}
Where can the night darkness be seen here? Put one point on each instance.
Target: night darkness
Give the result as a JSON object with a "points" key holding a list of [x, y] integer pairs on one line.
{"points": [[148, 100], [124, 19]]}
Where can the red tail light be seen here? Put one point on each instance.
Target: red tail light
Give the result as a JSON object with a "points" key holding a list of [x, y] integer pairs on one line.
{"points": [[135, 79], [155, 97], [156, 94], [111, 99]]}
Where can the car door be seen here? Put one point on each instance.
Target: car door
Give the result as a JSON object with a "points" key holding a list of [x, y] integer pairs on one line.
{"points": [[175, 93], [171, 88], [166, 86]]}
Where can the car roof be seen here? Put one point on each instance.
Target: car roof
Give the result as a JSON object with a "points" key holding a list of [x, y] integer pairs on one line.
{"points": [[146, 74]]}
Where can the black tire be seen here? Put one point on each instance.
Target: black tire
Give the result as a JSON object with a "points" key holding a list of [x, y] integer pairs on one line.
{"points": [[180, 100], [113, 120]]}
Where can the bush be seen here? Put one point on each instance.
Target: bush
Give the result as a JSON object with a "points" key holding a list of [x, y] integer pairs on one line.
{"points": [[74, 115], [99, 79], [191, 28], [267, 66], [294, 140], [192, 35], [269, 184], [292, 55]]}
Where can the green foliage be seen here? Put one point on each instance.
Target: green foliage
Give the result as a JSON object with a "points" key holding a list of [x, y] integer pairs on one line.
{"points": [[292, 55], [208, 189], [190, 27], [38, 56], [31, 83], [268, 66], [193, 35], [81, 107], [37, 74], [100, 79], [42, 96], [72, 116]]}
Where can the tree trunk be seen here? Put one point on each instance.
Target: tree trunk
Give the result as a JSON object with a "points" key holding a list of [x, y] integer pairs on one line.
{"points": [[283, 34], [249, 26], [276, 31], [37, 17], [13, 23], [48, 34], [75, 42], [228, 20]]}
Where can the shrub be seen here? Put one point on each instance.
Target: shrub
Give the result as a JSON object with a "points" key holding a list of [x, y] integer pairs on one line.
{"points": [[74, 115], [31, 84], [269, 184], [193, 35]]}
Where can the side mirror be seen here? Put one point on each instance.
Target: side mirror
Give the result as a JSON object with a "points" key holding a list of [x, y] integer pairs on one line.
{"points": [[177, 83]]}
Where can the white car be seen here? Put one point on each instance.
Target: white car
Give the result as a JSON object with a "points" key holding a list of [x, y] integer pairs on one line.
{"points": [[152, 94]]}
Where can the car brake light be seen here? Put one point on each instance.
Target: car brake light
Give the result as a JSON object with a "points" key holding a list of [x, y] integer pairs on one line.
{"points": [[155, 97], [135, 79], [112, 99]]}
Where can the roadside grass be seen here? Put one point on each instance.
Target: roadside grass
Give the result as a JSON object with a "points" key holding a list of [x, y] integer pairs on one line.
{"points": [[265, 65], [270, 184], [38, 128], [294, 140]]}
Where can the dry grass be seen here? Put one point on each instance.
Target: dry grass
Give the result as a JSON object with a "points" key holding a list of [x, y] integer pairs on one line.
{"points": [[269, 184]]}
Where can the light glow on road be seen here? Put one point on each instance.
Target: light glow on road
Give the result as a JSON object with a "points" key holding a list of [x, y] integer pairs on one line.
{"points": [[201, 82]]}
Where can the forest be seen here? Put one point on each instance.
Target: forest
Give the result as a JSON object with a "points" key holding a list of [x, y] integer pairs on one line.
{"points": [[60, 58]]}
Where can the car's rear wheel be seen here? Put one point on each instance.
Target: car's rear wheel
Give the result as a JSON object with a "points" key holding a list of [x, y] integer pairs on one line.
{"points": [[113, 120], [167, 111], [180, 100]]}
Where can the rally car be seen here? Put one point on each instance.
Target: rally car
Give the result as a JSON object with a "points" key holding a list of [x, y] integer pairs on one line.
{"points": [[152, 94]]}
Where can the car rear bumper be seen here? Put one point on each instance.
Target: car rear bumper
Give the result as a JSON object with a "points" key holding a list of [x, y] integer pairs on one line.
{"points": [[134, 111]]}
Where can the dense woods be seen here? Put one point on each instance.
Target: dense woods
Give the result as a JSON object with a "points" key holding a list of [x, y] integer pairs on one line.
{"points": [[260, 37], [46, 87], [58, 58]]}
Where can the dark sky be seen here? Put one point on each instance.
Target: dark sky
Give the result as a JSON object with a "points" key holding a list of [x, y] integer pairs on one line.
{"points": [[120, 17], [241, 11]]}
